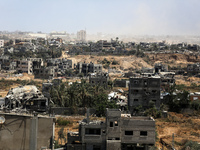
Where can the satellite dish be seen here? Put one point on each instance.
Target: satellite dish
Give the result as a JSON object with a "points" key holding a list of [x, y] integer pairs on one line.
{"points": [[2, 119]]}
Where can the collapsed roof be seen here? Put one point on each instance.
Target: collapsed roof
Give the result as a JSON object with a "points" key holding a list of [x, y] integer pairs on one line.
{"points": [[23, 96]]}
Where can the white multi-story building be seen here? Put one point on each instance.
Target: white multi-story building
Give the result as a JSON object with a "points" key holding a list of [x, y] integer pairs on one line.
{"points": [[1, 43], [81, 35]]}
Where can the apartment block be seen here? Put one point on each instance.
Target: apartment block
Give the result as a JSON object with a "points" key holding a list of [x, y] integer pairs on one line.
{"points": [[142, 90], [81, 35]]}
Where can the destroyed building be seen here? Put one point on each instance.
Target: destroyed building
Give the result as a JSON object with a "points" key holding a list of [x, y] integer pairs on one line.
{"points": [[67, 63], [27, 65], [167, 79], [159, 67], [99, 79], [86, 68], [121, 83], [61, 65], [193, 68], [45, 72], [4, 62], [143, 90], [118, 132], [27, 98]]}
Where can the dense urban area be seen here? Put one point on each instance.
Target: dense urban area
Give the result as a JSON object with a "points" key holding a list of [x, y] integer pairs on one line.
{"points": [[98, 92]]}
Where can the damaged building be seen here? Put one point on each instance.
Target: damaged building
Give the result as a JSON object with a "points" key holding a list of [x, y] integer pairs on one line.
{"points": [[45, 72], [27, 65], [99, 79], [159, 67], [142, 90], [86, 68], [118, 132], [26, 98], [193, 69]]}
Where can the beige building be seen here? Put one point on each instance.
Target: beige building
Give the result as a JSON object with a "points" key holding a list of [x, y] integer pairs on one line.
{"points": [[81, 35], [26, 65]]}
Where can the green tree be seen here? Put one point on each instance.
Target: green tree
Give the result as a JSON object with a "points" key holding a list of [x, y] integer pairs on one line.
{"points": [[101, 103], [58, 95], [84, 94]]}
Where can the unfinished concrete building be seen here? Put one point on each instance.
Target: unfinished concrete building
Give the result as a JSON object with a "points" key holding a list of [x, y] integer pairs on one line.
{"points": [[159, 67], [121, 83], [167, 79], [66, 63], [86, 68], [193, 68], [45, 72], [118, 132], [27, 65], [99, 79], [5, 62], [142, 90]]}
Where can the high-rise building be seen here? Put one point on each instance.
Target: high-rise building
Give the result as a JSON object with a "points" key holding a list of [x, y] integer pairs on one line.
{"points": [[81, 35]]}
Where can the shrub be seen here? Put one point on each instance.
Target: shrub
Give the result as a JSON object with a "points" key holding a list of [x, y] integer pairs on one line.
{"points": [[115, 62], [192, 145], [195, 105], [62, 122], [153, 112]]}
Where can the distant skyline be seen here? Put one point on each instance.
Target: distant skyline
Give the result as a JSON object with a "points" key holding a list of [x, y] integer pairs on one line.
{"points": [[128, 17]]}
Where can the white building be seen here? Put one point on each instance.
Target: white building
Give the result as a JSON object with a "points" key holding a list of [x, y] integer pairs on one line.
{"points": [[81, 35], [1, 43]]}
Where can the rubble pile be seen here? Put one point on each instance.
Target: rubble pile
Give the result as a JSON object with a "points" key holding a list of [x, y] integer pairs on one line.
{"points": [[26, 97]]}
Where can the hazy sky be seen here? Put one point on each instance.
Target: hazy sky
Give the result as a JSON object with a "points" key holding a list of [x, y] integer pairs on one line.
{"points": [[133, 17]]}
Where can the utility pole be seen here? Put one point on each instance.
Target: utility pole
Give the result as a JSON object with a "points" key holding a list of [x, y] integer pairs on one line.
{"points": [[33, 132]]}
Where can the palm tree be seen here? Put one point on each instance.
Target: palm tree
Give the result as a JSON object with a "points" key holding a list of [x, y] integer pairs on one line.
{"points": [[85, 93], [72, 94], [58, 95]]}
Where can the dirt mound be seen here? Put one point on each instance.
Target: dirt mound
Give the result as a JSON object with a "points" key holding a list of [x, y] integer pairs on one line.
{"points": [[124, 62], [173, 59]]}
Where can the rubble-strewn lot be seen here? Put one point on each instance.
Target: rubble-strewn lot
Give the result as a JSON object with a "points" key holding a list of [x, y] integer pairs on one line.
{"points": [[133, 62], [184, 127]]}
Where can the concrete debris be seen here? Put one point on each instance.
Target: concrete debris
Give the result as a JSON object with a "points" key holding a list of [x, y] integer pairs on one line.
{"points": [[26, 97]]}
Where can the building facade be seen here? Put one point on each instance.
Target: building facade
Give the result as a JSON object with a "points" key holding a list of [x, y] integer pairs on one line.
{"points": [[193, 68], [99, 79], [81, 35], [45, 72], [86, 68], [118, 132], [27, 65], [143, 90]]}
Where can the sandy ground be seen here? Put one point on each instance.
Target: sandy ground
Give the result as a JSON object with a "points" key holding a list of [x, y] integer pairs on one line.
{"points": [[182, 126]]}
